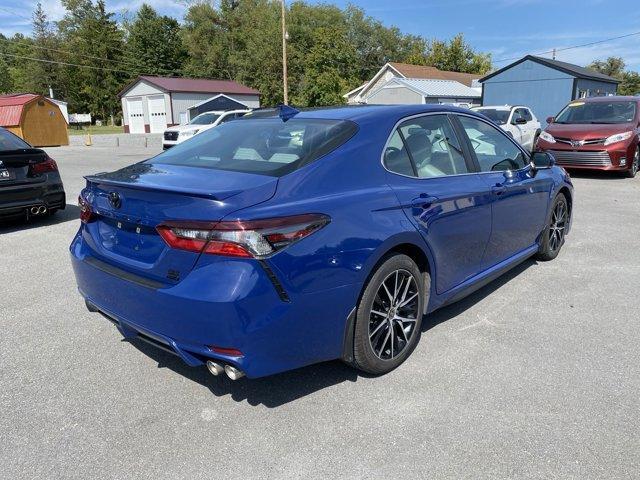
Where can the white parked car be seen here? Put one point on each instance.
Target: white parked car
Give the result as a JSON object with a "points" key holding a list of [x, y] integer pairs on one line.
{"points": [[204, 121], [516, 120]]}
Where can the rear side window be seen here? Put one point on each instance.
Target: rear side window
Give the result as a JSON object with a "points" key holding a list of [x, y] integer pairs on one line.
{"points": [[9, 141], [425, 147], [266, 146]]}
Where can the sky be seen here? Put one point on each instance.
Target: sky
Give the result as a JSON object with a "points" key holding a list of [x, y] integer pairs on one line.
{"points": [[504, 28]]}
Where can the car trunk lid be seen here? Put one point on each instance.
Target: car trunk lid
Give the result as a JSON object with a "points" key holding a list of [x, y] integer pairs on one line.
{"points": [[16, 165], [130, 203]]}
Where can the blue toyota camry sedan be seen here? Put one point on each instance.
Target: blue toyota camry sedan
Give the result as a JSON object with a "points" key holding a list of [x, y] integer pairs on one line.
{"points": [[288, 238]]}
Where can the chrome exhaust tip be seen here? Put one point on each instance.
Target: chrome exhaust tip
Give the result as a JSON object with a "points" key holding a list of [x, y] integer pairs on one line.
{"points": [[42, 210], [34, 210], [214, 368], [233, 373]]}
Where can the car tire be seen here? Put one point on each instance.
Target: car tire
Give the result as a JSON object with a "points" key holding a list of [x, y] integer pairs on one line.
{"points": [[389, 315], [635, 164], [554, 233], [535, 140]]}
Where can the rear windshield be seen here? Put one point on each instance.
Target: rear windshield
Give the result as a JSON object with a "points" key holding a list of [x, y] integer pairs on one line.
{"points": [[9, 141], [266, 146], [204, 119], [498, 116], [597, 112]]}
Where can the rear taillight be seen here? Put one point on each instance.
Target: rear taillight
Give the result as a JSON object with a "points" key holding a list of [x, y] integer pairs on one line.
{"points": [[49, 165], [252, 238], [86, 213]]}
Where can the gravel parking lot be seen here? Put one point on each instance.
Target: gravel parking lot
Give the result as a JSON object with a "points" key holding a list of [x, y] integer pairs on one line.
{"points": [[536, 375]]}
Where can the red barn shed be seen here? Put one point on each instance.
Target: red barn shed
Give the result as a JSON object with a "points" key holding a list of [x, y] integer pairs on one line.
{"points": [[34, 118]]}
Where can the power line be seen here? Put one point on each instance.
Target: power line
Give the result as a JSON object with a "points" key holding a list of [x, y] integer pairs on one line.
{"points": [[15, 14], [572, 47], [32, 45], [69, 64]]}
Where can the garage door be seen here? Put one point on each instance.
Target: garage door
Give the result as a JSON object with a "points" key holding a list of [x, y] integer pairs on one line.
{"points": [[135, 115], [157, 114]]}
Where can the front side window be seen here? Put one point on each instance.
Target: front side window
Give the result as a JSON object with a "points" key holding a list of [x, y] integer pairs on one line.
{"points": [[266, 146], [499, 116], [598, 112], [432, 146], [494, 151]]}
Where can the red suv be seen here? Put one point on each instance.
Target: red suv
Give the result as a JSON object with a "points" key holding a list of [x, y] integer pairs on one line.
{"points": [[596, 133]]}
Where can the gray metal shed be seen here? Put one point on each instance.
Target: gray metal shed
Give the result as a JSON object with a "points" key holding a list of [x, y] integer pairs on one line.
{"points": [[544, 85]]}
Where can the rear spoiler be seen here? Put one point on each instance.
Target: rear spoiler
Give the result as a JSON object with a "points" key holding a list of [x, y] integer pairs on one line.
{"points": [[159, 188]]}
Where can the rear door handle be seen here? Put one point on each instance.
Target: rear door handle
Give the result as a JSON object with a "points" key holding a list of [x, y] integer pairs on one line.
{"points": [[498, 189], [423, 201]]}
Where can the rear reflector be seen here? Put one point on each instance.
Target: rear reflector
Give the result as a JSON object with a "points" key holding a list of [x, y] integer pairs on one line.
{"points": [[252, 238], [232, 352]]}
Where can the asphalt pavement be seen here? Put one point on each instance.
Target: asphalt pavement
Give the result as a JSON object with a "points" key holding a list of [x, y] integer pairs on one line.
{"points": [[535, 376]]}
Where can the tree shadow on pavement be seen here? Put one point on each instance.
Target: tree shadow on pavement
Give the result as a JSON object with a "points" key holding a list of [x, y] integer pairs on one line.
{"points": [[70, 213], [277, 390]]}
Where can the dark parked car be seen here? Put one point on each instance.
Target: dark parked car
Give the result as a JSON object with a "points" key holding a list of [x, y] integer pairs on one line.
{"points": [[599, 133], [273, 242], [30, 184]]}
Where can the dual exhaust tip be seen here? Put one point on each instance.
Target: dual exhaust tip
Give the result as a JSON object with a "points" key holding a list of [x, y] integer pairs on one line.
{"points": [[216, 369], [41, 210]]}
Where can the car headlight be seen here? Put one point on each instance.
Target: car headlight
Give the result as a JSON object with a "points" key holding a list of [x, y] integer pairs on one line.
{"points": [[547, 137], [618, 137], [188, 133]]}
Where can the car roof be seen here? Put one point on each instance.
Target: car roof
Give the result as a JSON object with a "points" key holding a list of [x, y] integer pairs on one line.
{"points": [[608, 98], [363, 113]]}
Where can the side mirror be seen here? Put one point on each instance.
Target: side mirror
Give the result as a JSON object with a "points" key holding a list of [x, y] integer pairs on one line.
{"points": [[550, 119], [541, 160], [520, 121]]}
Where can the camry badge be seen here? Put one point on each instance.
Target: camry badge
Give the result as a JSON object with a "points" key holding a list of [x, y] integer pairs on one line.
{"points": [[114, 200]]}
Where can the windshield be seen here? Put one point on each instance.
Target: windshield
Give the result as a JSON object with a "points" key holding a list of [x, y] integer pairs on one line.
{"points": [[9, 141], [597, 112], [266, 146], [205, 119], [498, 116]]}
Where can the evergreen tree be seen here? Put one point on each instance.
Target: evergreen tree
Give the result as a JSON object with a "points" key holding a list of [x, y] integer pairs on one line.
{"points": [[154, 43]]}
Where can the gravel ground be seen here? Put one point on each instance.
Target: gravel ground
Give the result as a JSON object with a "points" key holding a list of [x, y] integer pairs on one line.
{"points": [[534, 376]]}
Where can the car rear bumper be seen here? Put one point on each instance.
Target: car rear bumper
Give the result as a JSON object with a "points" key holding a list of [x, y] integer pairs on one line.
{"points": [[17, 199], [226, 303]]}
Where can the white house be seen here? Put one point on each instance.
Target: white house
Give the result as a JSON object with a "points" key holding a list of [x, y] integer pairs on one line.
{"points": [[393, 70], [150, 104]]}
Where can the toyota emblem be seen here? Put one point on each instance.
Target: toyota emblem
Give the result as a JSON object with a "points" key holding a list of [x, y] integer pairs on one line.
{"points": [[114, 200], [577, 143]]}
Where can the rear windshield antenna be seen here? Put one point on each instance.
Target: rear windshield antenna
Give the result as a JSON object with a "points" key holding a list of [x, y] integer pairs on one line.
{"points": [[285, 112]]}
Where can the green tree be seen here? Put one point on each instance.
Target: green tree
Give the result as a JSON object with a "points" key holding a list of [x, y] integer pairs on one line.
{"points": [[329, 69], [612, 66], [154, 43], [43, 74], [6, 83], [630, 84], [615, 67], [94, 39], [457, 55]]}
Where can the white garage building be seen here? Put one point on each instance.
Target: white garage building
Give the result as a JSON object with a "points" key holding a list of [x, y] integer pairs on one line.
{"points": [[150, 104]]}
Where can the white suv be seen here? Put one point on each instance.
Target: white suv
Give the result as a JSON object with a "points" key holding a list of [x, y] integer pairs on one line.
{"points": [[516, 120], [178, 134]]}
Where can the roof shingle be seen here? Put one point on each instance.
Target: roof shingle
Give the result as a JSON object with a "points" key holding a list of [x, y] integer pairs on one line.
{"points": [[194, 85]]}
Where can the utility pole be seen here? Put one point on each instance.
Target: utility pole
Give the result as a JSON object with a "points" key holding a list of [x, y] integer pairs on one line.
{"points": [[554, 54], [284, 56]]}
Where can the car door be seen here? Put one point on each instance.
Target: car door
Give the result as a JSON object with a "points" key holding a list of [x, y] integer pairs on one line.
{"points": [[432, 175], [520, 195]]}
